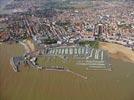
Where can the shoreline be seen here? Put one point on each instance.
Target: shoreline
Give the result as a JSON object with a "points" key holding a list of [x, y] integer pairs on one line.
{"points": [[118, 51]]}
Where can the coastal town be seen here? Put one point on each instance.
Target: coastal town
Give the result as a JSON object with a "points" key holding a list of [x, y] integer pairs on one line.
{"points": [[67, 28], [66, 49]]}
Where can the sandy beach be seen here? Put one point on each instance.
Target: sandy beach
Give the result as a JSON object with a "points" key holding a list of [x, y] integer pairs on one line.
{"points": [[28, 45], [118, 51]]}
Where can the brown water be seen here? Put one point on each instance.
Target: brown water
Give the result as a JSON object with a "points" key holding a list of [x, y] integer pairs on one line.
{"points": [[31, 84]]}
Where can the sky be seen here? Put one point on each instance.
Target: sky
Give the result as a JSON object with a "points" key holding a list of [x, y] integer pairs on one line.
{"points": [[3, 2]]}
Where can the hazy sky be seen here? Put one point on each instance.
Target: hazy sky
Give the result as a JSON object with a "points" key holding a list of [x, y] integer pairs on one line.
{"points": [[4, 2]]}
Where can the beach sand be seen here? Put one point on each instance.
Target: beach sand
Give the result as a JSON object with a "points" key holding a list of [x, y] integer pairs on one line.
{"points": [[118, 51]]}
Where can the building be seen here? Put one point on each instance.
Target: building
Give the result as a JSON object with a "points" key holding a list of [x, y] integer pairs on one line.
{"points": [[99, 30]]}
